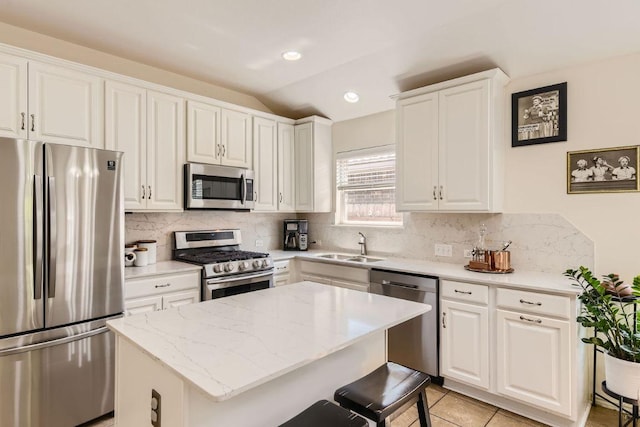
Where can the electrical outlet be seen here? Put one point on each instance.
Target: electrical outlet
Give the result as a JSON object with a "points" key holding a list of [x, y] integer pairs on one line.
{"points": [[468, 253], [156, 415], [443, 250], [259, 243]]}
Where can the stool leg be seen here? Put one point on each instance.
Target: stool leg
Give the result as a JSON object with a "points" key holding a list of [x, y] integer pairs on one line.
{"points": [[423, 410]]}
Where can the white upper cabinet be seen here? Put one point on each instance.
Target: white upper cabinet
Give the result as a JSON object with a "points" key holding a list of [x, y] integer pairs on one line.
{"points": [[313, 165], [13, 96], [61, 105], [450, 146], [148, 127], [265, 165], [286, 167], [218, 136], [203, 133], [236, 139], [126, 131]]}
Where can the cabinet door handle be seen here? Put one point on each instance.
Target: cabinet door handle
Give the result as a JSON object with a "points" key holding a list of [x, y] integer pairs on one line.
{"points": [[149, 192], [441, 192], [144, 192], [224, 150], [462, 292], [255, 196], [218, 150], [163, 286], [444, 321], [22, 127], [33, 122], [280, 197], [434, 193], [538, 321], [530, 303]]}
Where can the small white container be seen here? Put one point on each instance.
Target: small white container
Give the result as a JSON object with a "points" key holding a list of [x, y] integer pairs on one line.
{"points": [[151, 246], [142, 257], [129, 255]]}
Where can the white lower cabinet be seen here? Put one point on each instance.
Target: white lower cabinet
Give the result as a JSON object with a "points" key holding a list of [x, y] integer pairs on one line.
{"points": [[464, 342], [534, 360], [161, 292], [282, 273], [517, 349], [335, 275]]}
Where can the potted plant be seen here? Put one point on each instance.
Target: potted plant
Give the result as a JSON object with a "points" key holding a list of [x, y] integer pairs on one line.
{"points": [[607, 305]]}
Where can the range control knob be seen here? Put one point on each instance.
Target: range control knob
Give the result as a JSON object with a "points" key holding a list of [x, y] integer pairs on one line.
{"points": [[217, 268], [228, 267], [256, 263], [265, 263], [243, 265]]}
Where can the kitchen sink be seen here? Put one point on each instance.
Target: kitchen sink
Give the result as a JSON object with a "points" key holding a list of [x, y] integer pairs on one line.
{"points": [[335, 256], [356, 258], [363, 258]]}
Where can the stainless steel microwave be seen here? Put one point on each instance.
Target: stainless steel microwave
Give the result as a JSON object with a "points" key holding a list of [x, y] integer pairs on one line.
{"points": [[217, 187]]}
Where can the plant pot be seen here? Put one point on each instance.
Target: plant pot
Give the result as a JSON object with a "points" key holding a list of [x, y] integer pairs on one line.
{"points": [[622, 376]]}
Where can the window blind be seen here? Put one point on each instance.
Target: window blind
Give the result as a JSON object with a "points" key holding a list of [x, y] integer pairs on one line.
{"points": [[366, 169]]}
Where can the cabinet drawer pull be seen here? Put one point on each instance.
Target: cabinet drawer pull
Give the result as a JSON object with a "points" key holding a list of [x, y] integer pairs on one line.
{"points": [[144, 193], [441, 192], [538, 321], [33, 122], [163, 286], [522, 301], [149, 192], [434, 193], [444, 322], [22, 127], [463, 292]]}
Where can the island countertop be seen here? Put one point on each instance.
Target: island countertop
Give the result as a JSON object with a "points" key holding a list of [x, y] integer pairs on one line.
{"points": [[229, 345]]}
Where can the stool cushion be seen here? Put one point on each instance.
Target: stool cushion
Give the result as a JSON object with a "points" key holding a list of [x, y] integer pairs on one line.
{"points": [[383, 391], [323, 414]]}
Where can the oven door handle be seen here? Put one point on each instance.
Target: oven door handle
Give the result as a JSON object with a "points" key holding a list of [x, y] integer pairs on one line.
{"points": [[239, 278]]}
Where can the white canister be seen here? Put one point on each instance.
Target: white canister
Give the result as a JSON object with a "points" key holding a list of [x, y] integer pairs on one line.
{"points": [[151, 246], [142, 257], [129, 255]]}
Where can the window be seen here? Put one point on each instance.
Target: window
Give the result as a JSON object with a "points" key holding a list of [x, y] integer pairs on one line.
{"points": [[366, 187]]}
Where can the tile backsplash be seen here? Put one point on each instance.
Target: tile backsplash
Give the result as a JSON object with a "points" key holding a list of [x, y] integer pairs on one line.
{"points": [[541, 242]]}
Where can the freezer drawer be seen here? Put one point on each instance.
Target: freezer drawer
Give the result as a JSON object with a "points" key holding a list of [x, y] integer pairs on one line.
{"points": [[59, 383]]}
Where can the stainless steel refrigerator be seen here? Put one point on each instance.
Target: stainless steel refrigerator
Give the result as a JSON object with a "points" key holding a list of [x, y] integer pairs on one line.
{"points": [[61, 279]]}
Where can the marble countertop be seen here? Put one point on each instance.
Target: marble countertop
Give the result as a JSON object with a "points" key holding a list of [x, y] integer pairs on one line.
{"points": [[527, 280], [160, 268], [230, 345]]}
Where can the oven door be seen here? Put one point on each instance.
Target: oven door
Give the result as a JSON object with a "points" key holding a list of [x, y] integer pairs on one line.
{"points": [[220, 287], [217, 187]]}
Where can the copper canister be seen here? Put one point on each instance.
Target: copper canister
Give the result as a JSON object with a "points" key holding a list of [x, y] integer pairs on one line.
{"points": [[500, 260]]}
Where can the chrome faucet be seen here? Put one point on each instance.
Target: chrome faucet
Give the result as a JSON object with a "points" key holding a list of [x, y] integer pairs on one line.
{"points": [[363, 244]]}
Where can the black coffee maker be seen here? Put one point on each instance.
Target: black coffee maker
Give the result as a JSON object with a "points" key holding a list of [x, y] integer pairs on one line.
{"points": [[295, 235]]}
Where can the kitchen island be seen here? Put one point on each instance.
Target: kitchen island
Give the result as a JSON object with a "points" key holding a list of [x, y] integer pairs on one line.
{"points": [[254, 359]]}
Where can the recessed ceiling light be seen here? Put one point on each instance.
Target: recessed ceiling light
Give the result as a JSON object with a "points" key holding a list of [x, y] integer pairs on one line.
{"points": [[292, 55], [351, 97]]}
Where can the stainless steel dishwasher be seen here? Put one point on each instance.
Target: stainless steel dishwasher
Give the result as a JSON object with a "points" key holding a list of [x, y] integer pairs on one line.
{"points": [[415, 342]]}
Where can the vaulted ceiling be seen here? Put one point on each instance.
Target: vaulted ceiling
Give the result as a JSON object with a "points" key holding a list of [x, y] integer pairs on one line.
{"points": [[374, 47]]}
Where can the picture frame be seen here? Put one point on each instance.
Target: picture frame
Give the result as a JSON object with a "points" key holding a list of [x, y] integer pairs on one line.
{"points": [[539, 116], [603, 170]]}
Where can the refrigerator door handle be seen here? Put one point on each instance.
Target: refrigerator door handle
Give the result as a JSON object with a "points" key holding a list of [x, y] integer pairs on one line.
{"points": [[37, 236], [59, 341], [52, 237]]}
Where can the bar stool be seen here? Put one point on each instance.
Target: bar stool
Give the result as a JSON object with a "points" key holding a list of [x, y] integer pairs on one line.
{"points": [[381, 393], [324, 413]]}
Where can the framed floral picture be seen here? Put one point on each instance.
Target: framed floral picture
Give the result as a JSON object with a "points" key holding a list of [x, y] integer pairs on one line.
{"points": [[539, 115], [603, 170]]}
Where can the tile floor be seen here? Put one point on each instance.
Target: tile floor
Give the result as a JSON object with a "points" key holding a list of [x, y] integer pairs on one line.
{"points": [[450, 409]]}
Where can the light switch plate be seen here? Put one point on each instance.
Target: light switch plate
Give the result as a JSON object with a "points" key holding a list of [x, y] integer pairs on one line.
{"points": [[259, 243]]}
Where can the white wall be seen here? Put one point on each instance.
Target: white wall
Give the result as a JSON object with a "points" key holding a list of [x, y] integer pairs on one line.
{"points": [[603, 111]]}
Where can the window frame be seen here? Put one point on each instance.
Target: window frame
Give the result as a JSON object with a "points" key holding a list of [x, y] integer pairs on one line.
{"points": [[340, 211]]}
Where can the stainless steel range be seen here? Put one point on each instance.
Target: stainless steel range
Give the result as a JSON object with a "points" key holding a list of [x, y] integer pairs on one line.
{"points": [[226, 270]]}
